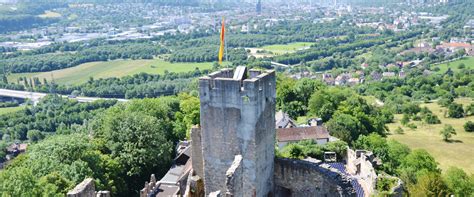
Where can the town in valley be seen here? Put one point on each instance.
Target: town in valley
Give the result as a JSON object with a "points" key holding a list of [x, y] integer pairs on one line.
{"points": [[236, 98]]}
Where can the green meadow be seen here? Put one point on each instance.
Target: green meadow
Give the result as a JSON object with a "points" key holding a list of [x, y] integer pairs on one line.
{"points": [[459, 152], [467, 61], [117, 68], [287, 48]]}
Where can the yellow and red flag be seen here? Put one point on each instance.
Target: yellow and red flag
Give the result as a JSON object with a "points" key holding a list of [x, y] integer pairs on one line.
{"points": [[221, 49]]}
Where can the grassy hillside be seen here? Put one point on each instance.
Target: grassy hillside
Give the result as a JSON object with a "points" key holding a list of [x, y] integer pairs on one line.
{"points": [[117, 68], [468, 62], [458, 153], [287, 48]]}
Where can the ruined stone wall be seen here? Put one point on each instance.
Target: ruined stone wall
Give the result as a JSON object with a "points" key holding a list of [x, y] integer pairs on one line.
{"points": [[234, 182], [301, 178], [237, 118], [398, 190], [196, 153], [84, 189], [367, 174], [351, 166], [360, 165]]}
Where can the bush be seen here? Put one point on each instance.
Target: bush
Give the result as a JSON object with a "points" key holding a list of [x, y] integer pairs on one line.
{"points": [[446, 100], [405, 120], [412, 126], [399, 130], [416, 118], [459, 182], [410, 108], [296, 151], [385, 184], [470, 109], [455, 111], [469, 126], [431, 119], [429, 184]]}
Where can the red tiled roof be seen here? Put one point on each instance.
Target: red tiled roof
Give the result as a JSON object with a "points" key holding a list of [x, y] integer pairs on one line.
{"points": [[456, 44], [302, 133]]}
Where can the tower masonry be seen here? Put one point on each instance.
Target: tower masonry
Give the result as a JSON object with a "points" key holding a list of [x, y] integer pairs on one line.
{"points": [[237, 118]]}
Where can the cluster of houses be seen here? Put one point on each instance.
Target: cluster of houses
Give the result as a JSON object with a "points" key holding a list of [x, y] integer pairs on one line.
{"points": [[352, 79], [447, 48], [343, 79]]}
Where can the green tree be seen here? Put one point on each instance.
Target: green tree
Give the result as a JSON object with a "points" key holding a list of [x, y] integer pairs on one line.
{"points": [[54, 184], [130, 137], [3, 150], [375, 143], [138, 135], [446, 100], [447, 132], [455, 111], [410, 108], [396, 154], [416, 163], [66, 160], [304, 88], [285, 93], [18, 182], [345, 127], [339, 147], [459, 182], [429, 184], [469, 126], [431, 119], [188, 116], [34, 135], [323, 103]]}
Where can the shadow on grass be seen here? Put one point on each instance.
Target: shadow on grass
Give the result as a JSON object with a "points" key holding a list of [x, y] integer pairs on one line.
{"points": [[454, 141]]}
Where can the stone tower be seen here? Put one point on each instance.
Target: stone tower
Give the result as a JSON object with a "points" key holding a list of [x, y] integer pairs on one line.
{"points": [[237, 118]]}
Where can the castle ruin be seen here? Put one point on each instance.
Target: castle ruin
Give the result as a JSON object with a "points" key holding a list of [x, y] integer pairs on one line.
{"points": [[232, 151], [237, 118]]}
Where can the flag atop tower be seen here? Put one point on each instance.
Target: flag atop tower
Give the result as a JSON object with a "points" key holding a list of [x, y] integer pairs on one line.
{"points": [[221, 49]]}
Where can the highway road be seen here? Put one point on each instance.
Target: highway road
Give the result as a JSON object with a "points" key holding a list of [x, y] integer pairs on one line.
{"points": [[36, 96], [283, 65]]}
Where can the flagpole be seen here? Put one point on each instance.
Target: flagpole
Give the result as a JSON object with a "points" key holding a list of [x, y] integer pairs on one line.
{"points": [[225, 45]]}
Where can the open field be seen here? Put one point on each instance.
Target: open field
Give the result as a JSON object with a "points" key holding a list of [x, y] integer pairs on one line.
{"points": [[278, 49], [117, 68], [7, 110], [287, 48], [50, 14], [459, 152], [468, 61]]}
